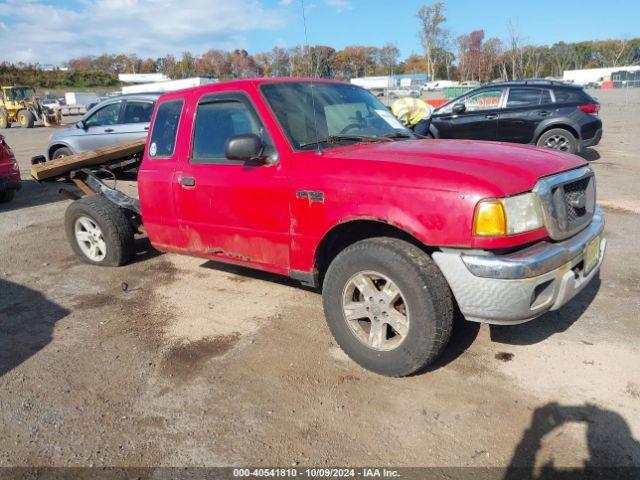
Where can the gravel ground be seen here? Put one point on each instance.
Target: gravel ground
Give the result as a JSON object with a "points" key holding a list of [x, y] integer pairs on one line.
{"points": [[198, 363]]}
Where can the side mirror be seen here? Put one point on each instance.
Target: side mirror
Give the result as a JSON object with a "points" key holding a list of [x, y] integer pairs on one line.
{"points": [[459, 108], [248, 146], [80, 124]]}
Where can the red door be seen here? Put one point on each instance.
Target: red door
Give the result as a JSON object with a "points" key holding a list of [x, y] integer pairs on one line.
{"points": [[233, 210], [156, 179]]}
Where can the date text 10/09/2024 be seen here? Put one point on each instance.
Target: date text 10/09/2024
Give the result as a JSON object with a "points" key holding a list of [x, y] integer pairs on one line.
{"points": [[316, 472]]}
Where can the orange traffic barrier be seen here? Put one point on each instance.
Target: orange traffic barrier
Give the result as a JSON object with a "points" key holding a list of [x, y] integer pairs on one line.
{"points": [[436, 102]]}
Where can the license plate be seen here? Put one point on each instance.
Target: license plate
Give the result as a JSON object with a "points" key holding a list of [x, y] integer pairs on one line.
{"points": [[591, 255]]}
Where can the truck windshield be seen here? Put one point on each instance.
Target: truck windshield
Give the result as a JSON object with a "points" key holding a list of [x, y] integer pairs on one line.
{"points": [[311, 113]]}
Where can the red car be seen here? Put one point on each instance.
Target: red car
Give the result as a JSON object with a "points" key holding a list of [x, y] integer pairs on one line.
{"points": [[9, 172], [316, 180]]}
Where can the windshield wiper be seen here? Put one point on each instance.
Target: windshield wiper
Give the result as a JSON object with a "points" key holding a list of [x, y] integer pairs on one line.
{"points": [[399, 135], [331, 139]]}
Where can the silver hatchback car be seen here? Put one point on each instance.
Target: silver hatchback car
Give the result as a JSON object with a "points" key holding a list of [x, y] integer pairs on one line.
{"points": [[115, 120]]}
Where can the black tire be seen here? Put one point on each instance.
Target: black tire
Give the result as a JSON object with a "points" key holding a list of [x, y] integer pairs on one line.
{"points": [[562, 140], [423, 288], [4, 119], [117, 231], [61, 152], [7, 195], [25, 118]]}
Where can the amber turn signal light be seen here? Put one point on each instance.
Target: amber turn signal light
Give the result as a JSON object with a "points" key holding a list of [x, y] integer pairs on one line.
{"points": [[490, 219]]}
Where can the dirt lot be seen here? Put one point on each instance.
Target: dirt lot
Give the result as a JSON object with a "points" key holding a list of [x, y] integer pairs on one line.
{"points": [[198, 363]]}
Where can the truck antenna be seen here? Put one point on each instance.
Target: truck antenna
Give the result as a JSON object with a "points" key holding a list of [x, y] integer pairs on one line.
{"points": [[313, 100]]}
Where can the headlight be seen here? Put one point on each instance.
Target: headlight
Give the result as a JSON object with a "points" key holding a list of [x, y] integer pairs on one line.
{"points": [[508, 216]]}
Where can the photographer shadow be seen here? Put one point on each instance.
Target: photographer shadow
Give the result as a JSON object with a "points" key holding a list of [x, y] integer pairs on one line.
{"points": [[613, 452], [27, 320]]}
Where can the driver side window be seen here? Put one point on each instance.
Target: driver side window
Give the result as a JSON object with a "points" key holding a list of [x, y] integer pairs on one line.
{"points": [[107, 115], [485, 100], [215, 123]]}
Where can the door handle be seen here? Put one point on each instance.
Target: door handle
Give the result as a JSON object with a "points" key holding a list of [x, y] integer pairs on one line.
{"points": [[544, 113], [146, 128], [109, 130], [187, 181], [491, 116]]}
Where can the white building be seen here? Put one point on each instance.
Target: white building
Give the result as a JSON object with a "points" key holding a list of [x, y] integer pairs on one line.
{"points": [[594, 75], [168, 86], [390, 81], [374, 82], [142, 77]]}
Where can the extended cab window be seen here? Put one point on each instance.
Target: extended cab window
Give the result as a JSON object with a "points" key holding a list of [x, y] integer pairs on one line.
{"points": [[165, 128], [107, 115], [216, 121]]}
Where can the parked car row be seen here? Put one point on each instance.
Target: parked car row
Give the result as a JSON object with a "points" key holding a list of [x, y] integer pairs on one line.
{"points": [[543, 113]]}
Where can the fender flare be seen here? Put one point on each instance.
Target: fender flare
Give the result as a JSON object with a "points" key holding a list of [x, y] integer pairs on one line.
{"points": [[55, 146], [556, 123], [381, 225]]}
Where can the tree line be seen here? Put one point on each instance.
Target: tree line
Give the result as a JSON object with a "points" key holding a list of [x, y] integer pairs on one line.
{"points": [[469, 56]]}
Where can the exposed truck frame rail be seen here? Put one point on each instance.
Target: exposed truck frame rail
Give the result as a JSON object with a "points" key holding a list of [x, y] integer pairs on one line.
{"points": [[108, 160]]}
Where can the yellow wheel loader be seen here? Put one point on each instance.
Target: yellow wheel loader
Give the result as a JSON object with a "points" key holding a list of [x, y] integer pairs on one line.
{"points": [[20, 104]]}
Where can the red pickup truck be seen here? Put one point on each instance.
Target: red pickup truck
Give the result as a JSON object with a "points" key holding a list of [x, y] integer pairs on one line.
{"points": [[316, 180], [9, 172]]}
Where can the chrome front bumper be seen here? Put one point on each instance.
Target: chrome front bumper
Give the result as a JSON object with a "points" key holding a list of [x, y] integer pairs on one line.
{"points": [[518, 287]]}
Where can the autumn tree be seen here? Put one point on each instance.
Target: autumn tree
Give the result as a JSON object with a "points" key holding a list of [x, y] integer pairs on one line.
{"points": [[389, 55], [279, 60], [432, 33]]}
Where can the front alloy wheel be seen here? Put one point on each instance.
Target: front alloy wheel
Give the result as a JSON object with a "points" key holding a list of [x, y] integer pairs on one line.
{"points": [[387, 305], [375, 310]]}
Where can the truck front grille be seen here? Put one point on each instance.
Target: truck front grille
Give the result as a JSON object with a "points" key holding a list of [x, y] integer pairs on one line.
{"points": [[568, 201], [573, 193]]}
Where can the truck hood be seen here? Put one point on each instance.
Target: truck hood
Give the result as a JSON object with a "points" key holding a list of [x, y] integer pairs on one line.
{"points": [[504, 168]]}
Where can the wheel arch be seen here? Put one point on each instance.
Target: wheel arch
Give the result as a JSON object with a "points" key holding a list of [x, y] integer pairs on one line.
{"points": [[346, 233], [543, 128], [53, 147]]}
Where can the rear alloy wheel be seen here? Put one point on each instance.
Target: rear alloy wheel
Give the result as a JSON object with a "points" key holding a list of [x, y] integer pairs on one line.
{"points": [[99, 231], [558, 139], [90, 239]]}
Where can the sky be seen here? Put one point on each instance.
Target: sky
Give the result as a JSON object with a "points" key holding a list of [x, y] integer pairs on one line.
{"points": [[50, 32]]}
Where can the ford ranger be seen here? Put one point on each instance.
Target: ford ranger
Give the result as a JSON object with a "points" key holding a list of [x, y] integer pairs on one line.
{"points": [[316, 180]]}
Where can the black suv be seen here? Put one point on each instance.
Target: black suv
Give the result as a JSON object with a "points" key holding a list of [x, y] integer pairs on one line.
{"points": [[543, 113]]}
